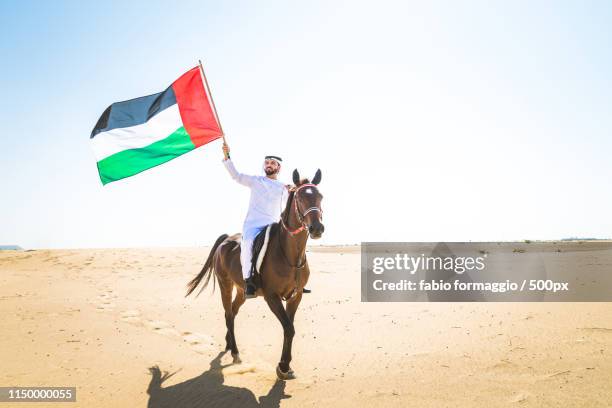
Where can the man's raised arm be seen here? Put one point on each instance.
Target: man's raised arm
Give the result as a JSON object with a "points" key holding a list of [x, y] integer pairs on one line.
{"points": [[243, 179]]}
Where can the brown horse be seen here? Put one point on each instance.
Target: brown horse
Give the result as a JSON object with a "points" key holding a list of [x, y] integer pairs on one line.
{"points": [[284, 271]]}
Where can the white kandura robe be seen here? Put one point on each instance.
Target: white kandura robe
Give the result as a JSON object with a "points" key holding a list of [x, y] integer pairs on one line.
{"points": [[268, 199]]}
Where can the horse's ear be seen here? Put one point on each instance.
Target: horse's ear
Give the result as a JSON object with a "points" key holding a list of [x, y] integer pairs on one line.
{"points": [[296, 177], [317, 178]]}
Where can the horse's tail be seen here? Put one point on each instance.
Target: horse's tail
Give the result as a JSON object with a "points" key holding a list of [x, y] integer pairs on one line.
{"points": [[207, 270]]}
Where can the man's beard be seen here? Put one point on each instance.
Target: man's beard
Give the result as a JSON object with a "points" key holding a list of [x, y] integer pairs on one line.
{"points": [[270, 172]]}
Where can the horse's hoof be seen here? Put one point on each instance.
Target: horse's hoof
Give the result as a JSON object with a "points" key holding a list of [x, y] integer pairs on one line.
{"points": [[289, 375], [237, 359]]}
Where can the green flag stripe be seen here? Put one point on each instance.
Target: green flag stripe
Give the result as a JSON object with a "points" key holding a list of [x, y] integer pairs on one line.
{"points": [[133, 161]]}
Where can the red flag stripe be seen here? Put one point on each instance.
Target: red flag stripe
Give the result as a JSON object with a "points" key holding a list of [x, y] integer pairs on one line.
{"points": [[194, 106]]}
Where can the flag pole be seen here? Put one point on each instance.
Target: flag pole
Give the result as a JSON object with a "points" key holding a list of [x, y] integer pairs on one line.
{"points": [[212, 102]]}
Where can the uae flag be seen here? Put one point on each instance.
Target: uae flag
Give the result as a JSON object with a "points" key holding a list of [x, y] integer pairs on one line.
{"points": [[135, 135]]}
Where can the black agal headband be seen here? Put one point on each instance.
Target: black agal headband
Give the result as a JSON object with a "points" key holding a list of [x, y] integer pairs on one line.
{"points": [[278, 159]]}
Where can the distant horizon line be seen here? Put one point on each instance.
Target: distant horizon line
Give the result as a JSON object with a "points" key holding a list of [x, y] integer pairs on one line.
{"points": [[13, 247]]}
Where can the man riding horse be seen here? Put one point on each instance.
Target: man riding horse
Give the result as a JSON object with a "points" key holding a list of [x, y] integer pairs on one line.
{"points": [[268, 198], [284, 270]]}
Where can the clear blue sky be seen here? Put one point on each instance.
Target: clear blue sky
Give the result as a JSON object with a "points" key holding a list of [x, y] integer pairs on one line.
{"points": [[431, 121]]}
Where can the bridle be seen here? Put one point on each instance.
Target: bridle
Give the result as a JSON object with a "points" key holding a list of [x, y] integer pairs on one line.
{"points": [[301, 263], [301, 217]]}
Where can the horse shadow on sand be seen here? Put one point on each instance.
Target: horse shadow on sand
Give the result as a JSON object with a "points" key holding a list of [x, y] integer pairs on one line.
{"points": [[208, 390]]}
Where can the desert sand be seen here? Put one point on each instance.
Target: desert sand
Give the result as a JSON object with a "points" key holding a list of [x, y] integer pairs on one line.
{"points": [[115, 324]]}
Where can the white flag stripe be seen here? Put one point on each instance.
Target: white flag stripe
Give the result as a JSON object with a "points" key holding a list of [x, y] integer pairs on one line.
{"points": [[157, 128]]}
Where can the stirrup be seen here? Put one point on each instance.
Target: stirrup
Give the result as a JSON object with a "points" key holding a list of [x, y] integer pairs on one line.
{"points": [[250, 290]]}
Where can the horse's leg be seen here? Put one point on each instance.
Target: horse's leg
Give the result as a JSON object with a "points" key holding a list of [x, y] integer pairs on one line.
{"points": [[226, 288], [238, 301], [292, 305], [283, 370]]}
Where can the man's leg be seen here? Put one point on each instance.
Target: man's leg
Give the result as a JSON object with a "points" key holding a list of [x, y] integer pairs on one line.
{"points": [[246, 255], [246, 250]]}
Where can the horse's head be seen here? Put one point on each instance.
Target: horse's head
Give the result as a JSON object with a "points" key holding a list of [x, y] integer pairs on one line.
{"points": [[307, 201]]}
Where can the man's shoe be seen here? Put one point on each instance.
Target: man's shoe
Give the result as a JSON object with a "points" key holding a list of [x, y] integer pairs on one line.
{"points": [[250, 288], [304, 290]]}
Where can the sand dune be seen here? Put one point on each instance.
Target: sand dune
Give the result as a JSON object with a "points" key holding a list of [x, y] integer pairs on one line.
{"points": [[115, 324]]}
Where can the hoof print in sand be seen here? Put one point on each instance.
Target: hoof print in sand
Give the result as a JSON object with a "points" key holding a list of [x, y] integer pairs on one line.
{"points": [[161, 327], [104, 301], [201, 343], [131, 316]]}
